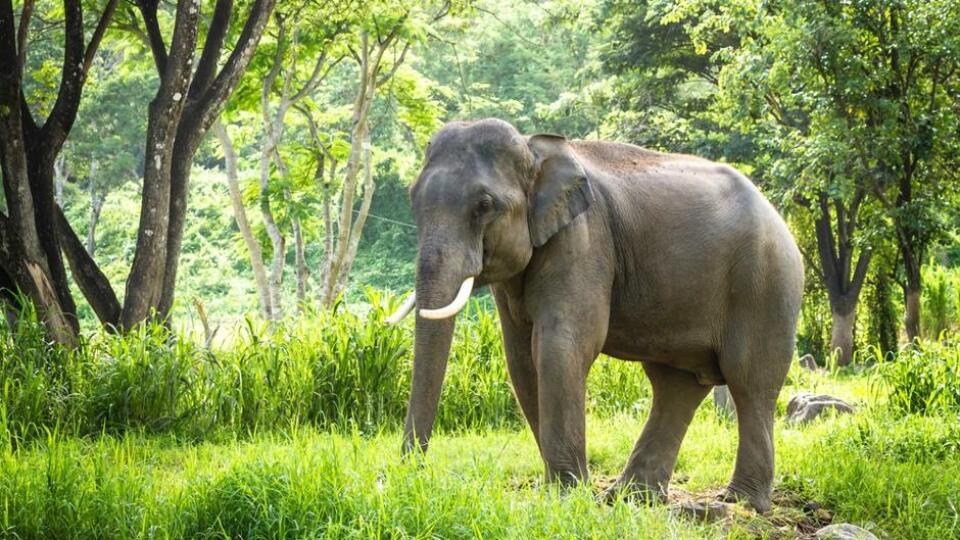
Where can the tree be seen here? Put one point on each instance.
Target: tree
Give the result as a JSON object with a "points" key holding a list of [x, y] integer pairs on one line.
{"points": [[281, 90], [840, 102], [30, 244], [527, 62], [186, 105], [392, 27], [664, 60], [187, 102], [243, 223], [910, 54]]}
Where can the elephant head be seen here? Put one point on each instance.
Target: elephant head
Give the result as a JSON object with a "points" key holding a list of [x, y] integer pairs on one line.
{"points": [[486, 198]]}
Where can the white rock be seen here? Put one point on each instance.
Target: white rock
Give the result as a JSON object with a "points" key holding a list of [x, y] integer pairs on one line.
{"points": [[803, 408], [724, 401], [702, 511], [844, 531]]}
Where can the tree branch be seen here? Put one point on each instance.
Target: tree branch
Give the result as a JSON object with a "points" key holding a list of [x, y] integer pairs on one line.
{"points": [[271, 79], [860, 273], [812, 263], [396, 65], [93, 283], [23, 30], [207, 67], [148, 12], [825, 245], [55, 129], [316, 77], [97, 36], [208, 107]]}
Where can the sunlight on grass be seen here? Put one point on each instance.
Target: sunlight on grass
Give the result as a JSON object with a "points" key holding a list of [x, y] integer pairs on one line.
{"points": [[296, 433]]}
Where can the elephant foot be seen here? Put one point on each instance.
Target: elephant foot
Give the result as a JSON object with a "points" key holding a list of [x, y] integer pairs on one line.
{"points": [[633, 490], [760, 501]]}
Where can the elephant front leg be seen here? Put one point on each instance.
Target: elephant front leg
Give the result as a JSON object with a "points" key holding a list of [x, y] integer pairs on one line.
{"points": [[517, 346], [562, 368]]}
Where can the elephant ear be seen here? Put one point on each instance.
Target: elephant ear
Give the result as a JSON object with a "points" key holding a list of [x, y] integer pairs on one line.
{"points": [[561, 190]]}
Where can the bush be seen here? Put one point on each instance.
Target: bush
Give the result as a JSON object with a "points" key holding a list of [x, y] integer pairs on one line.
{"points": [[922, 379], [941, 288], [335, 369]]}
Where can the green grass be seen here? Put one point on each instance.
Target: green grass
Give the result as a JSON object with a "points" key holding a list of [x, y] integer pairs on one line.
{"points": [[303, 482], [295, 433]]}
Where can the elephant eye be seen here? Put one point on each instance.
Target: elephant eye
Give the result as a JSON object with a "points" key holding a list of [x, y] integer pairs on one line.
{"points": [[484, 208]]}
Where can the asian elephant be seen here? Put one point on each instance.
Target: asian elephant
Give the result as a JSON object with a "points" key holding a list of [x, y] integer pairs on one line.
{"points": [[590, 247]]}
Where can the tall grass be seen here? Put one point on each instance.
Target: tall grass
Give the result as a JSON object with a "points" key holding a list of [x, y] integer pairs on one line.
{"points": [[921, 379], [941, 300], [333, 369], [151, 435]]}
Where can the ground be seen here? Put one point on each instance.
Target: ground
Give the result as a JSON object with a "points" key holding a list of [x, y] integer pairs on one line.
{"points": [[882, 473]]}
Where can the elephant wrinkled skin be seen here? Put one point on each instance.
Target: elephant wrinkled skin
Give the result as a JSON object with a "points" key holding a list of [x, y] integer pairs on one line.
{"points": [[595, 247]]}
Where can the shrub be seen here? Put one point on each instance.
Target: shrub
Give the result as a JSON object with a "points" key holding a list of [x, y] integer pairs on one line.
{"points": [[343, 369], [922, 379], [940, 291]]}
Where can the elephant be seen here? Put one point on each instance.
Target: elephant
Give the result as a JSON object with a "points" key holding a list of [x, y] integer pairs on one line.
{"points": [[589, 247]]}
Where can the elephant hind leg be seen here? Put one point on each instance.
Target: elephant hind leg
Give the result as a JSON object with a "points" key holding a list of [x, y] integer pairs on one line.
{"points": [[676, 396], [753, 473], [755, 375]]}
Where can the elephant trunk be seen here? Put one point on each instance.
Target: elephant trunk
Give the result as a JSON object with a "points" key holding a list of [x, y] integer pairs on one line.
{"points": [[437, 284]]}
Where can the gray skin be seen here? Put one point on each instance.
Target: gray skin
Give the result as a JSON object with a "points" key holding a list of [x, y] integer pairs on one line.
{"points": [[589, 247]]}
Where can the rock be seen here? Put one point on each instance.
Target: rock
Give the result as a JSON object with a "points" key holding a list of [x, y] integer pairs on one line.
{"points": [[805, 407], [702, 511], [809, 363], [844, 531], [724, 401]]}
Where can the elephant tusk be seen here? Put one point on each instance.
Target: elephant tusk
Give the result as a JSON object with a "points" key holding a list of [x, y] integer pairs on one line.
{"points": [[405, 308], [453, 307]]}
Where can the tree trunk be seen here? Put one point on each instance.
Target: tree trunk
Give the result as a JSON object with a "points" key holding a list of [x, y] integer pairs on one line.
{"points": [[277, 240], [835, 250], [842, 333], [911, 293], [240, 216], [361, 110], [59, 178], [911, 319], [26, 268], [340, 259], [146, 280], [357, 230], [303, 274], [184, 109], [23, 257], [209, 91], [327, 222], [187, 142], [96, 205], [40, 163]]}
